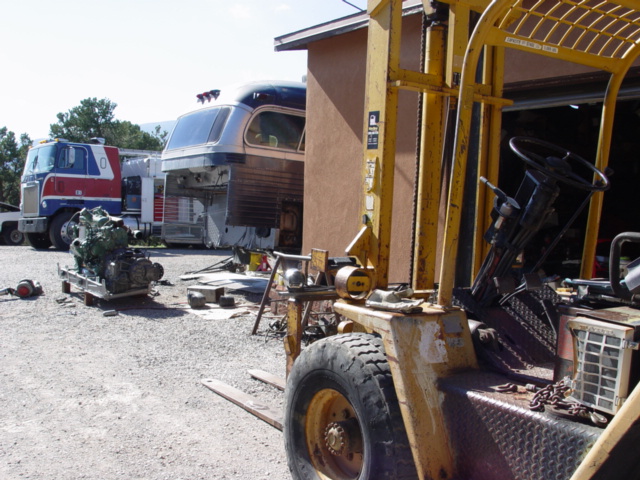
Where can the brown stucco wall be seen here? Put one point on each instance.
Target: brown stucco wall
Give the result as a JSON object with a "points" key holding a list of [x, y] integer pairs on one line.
{"points": [[335, 116]]}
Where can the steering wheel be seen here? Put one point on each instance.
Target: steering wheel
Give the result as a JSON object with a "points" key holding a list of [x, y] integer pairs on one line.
{"points": [[553, 161]]}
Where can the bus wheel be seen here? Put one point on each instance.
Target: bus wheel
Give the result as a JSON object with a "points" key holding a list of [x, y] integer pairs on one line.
{"points": [[342, 419]]}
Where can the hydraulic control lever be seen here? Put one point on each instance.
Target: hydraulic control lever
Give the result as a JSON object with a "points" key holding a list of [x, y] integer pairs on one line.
{"points": [[505, 209]]}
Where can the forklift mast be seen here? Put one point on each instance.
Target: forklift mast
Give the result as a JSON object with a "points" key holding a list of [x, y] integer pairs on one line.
{"points": [[464, 71]]}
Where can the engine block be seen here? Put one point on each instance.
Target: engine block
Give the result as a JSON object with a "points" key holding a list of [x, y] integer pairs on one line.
{"points": [[101, 249]]}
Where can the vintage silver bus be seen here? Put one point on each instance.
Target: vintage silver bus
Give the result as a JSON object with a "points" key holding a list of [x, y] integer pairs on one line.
{"points": [[234, 170]]}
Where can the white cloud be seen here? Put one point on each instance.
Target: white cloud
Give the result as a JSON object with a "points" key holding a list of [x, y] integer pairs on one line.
{"points": [[282, 7]]}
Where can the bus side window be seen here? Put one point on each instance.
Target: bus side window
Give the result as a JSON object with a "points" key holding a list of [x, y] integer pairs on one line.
{"points": [[276, 129]]}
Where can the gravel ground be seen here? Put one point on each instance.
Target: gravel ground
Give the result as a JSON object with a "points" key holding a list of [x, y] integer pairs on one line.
{"points": [[89, 396]]}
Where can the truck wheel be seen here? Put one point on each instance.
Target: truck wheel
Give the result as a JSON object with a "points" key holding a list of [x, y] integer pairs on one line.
{"points": [[12, 236], [342, 419], [60, 231], [39, 241]]}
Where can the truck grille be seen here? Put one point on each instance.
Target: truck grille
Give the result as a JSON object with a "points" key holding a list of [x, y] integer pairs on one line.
{"points": [[30, 199], [602, 359]]}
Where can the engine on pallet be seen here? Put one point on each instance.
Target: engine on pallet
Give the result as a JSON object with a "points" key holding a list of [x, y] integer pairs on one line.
{"points": [[100, 249]]}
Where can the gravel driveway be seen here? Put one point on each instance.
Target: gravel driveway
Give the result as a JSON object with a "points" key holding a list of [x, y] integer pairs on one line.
{"points": [[89, 396]]}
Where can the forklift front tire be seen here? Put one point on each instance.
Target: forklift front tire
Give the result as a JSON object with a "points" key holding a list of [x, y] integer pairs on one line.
{"points": [[342, 419]]}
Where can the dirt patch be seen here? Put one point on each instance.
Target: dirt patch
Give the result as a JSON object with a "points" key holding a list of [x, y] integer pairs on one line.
{"points": [[89, 396]]}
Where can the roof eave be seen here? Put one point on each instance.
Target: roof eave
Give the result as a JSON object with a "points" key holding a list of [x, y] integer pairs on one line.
{"points": [[301, 39]]}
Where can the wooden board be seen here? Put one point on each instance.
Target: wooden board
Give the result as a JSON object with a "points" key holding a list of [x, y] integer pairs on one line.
{"points": [[269, 378], [246, 401]]}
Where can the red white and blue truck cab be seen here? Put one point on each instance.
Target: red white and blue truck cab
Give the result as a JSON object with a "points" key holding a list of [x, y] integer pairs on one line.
{"points": [[61, 178]]}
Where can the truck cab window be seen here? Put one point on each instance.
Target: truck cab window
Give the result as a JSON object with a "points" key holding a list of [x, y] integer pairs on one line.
{"points": [[276, 129], [73, 158], [41, 160]]}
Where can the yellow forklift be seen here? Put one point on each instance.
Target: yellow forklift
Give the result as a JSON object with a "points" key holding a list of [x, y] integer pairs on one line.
{"points": [[492, 375]]}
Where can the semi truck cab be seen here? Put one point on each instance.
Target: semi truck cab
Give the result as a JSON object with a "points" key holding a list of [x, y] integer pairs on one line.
{"points": [[59, 179]]}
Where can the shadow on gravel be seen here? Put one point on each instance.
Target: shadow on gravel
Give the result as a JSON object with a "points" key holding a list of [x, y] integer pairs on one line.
{"points": [[11, 298], [144, 305]]}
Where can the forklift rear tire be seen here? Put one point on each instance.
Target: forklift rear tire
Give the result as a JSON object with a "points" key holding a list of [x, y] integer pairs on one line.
{"points": [[39, 241], [342, 419]]}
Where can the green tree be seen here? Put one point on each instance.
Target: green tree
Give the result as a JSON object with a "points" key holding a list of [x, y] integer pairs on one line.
{"points": [[95, 118], [161, 135], [129, 135], [12, 157]]}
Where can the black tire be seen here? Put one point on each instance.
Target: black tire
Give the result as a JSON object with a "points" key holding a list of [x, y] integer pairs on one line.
{"points": [[59, 231], [340, 391], [226, 301], [11, 235], [39, 241]]}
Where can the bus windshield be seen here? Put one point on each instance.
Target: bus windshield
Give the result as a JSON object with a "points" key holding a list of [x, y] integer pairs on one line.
{"points": [[40, 159], [195, 129]]}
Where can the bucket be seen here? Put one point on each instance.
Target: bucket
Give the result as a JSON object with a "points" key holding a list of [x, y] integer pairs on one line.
{"points": [[254, 262]]}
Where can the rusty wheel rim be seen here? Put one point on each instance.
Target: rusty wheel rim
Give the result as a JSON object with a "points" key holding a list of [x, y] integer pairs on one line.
{"points": [[334, 436]]}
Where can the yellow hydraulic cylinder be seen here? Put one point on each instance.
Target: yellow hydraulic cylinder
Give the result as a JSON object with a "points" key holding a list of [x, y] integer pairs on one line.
{"points": [[430, 165]]}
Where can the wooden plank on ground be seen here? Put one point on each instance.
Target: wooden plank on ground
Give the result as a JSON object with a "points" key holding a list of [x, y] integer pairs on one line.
{"points": [[245, 401], [269, 378]]}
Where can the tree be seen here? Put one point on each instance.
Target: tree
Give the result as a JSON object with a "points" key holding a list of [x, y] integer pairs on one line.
{"points": [[129, 135], [92, 118], [95, 118], [12, 157], [160, 134]]}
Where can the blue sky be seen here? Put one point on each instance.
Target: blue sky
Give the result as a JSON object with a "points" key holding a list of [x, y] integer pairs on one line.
{"points": [[150, 57]]}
